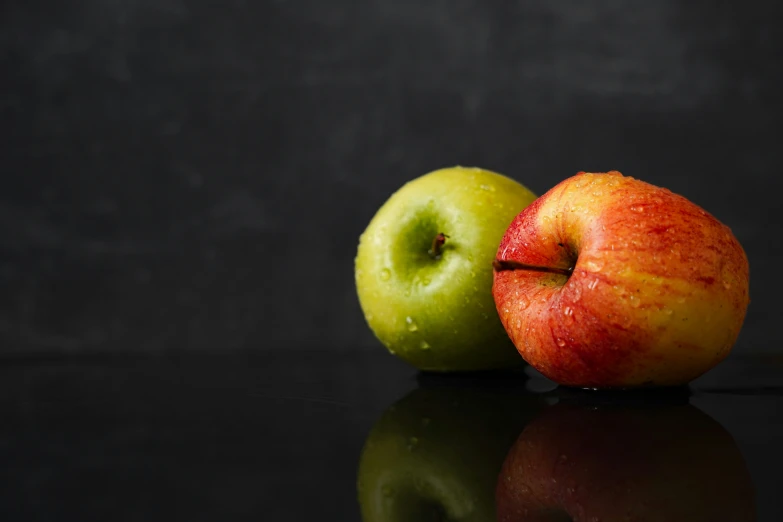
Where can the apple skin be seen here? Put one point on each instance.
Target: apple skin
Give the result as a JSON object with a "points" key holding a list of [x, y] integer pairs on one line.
{"points": [[438, 314], [438, 451], [658, 293], [615, 464]]}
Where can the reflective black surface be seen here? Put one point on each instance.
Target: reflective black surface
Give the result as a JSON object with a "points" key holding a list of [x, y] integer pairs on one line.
{"points": [[340, 436]]}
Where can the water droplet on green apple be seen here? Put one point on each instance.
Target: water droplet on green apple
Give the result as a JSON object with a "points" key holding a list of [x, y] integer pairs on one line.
{"points": [[472, 273], [369, 317], [488, 187], [412, 326], [426, 281], [385, 274], [425, 345], [561, 342]]}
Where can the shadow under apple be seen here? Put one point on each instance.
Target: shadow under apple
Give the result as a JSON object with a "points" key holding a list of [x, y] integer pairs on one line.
{"points": [[436, 453], [624, 462]]}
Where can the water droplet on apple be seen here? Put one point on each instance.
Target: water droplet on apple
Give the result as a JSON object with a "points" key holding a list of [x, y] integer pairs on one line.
{"points": [[594, 265], [523, 302], [412, 326], [370, 317], [561, 342], [407, 292], [598, 193], [559, 215], [425, 345], [726, 285], [488, 187], [472, 273], [568, 311], [668, 311], [635, 301], [385, 274], [426, 281], [593, 284], [680, 300]]}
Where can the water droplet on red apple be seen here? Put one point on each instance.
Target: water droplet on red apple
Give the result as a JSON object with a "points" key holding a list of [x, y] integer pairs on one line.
{"points": [[593, 284], [726, 285], [561, 342], [385, 274], [635, 301], [412, 326], [594, 265], [568, 312], [680, 300], [668, 311]]}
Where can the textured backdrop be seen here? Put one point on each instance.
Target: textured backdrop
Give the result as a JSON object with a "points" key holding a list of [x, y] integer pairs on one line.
{"points": [[193, 175]]}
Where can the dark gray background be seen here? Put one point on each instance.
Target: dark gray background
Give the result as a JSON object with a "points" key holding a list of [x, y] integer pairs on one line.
{"points": [[195, 175]]}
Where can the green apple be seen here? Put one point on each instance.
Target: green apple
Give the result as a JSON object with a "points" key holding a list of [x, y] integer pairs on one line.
{"points": [[424, 269], [436, 454]]}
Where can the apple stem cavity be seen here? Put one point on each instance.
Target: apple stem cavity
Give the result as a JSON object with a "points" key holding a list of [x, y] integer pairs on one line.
{"points": [[502, 266], [437, 243]]}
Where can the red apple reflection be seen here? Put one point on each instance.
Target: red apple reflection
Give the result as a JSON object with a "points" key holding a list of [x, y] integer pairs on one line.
{"points": [[620, 464]]}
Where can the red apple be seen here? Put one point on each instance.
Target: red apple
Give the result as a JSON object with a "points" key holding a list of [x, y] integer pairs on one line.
{"points": [[606, 281], [666, 463]]}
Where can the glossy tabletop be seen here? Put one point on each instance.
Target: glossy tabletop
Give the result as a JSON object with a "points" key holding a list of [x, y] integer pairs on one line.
{"points": [[331, 435]]}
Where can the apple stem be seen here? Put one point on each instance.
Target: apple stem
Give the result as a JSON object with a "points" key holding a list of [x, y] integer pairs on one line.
{"points": [[437, 243], [501, 266]]}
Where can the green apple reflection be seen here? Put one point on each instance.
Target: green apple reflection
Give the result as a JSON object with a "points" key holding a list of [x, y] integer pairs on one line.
{"points": [[621, 463], [435, 454]]}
